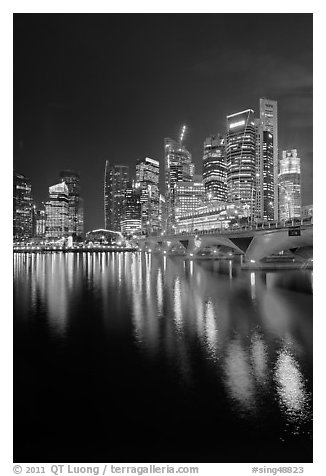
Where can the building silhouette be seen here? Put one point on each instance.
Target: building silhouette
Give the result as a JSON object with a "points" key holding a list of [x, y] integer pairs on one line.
{"points": [[116, 178], [22, 207]]}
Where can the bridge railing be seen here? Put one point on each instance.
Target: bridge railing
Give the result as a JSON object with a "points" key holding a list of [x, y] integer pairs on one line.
{"points": [[267, 225]]}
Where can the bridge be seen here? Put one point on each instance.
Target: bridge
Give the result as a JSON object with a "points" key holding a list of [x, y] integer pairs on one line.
{"points": [[254, 243]]}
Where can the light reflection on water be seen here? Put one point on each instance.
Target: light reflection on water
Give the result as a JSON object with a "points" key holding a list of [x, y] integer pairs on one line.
{"points": [[250, 334], [291, 389]]}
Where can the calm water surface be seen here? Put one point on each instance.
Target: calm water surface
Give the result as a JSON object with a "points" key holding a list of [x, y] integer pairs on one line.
{"points": [[126, 357]]}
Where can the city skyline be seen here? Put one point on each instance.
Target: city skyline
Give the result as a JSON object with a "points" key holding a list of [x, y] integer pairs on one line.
{"points": [[74, 127]]}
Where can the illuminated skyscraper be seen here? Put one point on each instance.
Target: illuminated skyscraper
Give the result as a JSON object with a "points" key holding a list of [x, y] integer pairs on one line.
{"points": [[147, 176], [22, 207], [241, 160], [289, 181], [188, 197], [76, 208], [40, 222], [264, 196], [57, 211], [178, 167], [131, 222], [269, 123], [214, 168], [116, 178]]}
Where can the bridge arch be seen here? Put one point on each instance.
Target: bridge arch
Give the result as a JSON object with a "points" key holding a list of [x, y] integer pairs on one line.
{"points": [[266, 244]]}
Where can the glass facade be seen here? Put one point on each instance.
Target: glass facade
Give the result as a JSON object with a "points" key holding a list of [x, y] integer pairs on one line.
{"points": [[264, 202], [57, 212], [147, 176], [116, 178], [189, 196], [214, 168], [241, 159], [40, 222], [290, 185], [22, 207], [76, 206], [131, 223], [178, 168], [268, 115]]}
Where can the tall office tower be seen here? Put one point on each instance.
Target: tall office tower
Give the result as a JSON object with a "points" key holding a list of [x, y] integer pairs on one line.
{"points": [[22, 207], [241, 160], [161, 213], [131, 221], [57, 211], [214, 168], [178, 167], [76, 205], [116, 178], [269, 123], [189, 196], [147, 176], [40, 222], [264, 188], [289, 181]]}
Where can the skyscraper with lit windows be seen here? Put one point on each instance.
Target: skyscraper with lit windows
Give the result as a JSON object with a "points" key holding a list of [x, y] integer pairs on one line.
{"points": [[147, 176], [241, 159], [264, 188], [289, 181], [131, 220], [57, 212], [188, 197], [76, 206], [22, 207], [214, 168], [116, 178], [178, 167], [268, 115]]}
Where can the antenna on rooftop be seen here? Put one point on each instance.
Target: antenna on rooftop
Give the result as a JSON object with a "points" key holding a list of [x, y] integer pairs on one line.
{"points": [[183, 131]]}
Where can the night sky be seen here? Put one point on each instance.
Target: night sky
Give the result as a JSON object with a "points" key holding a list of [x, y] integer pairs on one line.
{"points": [[91, 87]]}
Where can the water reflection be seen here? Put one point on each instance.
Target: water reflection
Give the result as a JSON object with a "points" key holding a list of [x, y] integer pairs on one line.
{"points": [[242, 331], [239, 380], [293, 395]]}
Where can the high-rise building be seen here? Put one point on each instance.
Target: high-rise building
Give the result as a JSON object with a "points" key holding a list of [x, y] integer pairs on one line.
{"points": [[214, 168], [76, 206], [147, 176], [57, 211], [241, 160], [188, 197], [269, 123], [264, 188], [131, 222], [289, 181], [161, 213], [211, 216], [116, 178], [178, 167], [22, 207], [40, 221], [307, 211]]}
